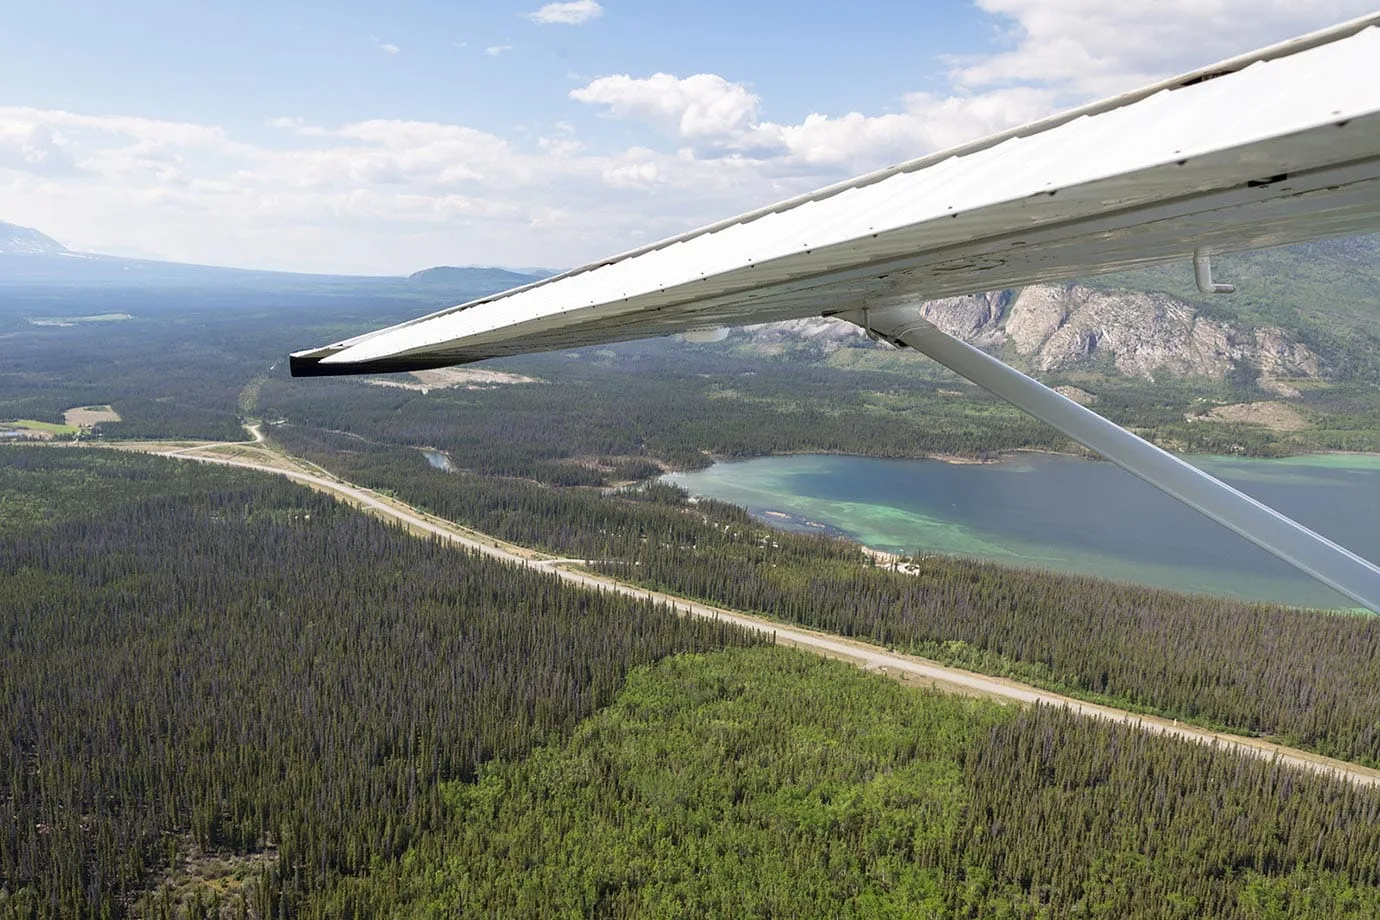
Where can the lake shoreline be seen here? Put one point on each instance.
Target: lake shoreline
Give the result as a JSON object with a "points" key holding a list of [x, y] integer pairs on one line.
{"points": [[998, 457], [939, 456], [1047, 510]]}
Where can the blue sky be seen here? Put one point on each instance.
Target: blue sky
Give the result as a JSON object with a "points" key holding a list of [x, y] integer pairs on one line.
{"points": [[240, 64], [385, 137]]}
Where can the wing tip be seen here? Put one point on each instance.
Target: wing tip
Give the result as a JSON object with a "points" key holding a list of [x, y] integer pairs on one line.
{"points": [[310, 364]]}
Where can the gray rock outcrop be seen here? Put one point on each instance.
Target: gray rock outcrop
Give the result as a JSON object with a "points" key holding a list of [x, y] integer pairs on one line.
{"points": [[1065, 327]]}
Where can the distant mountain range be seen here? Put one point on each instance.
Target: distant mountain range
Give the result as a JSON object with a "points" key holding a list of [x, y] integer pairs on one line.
{"points": [[448, 277], [30, 258], [17, 240]]}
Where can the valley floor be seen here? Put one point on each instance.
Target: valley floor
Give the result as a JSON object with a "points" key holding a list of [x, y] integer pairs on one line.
{"points": [[908, 669]]}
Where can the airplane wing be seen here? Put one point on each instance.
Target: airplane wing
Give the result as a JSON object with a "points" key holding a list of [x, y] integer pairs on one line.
{"points": [[1278, 146]]}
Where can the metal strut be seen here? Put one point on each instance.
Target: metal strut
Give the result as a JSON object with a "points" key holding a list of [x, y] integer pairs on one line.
{"points": [[1329, 563]]}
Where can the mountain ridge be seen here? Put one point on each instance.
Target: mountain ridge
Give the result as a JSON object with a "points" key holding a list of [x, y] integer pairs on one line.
{"points": [[1308, 312], [31, 258], [449, 275], [17, 240]]}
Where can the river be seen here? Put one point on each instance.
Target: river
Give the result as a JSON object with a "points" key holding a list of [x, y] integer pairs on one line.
{"points": [[1064, 514]]}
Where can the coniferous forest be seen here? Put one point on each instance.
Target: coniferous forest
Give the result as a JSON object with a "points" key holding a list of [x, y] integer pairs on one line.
{"points": [[206, 665], [244, 666], [1310, 680], [769, 783]]}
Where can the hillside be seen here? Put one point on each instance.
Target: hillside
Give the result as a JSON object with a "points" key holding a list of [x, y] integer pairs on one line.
{"points": [[29, 258], [1326, 295], [447, 277], [1302, 313], [15, 240]]}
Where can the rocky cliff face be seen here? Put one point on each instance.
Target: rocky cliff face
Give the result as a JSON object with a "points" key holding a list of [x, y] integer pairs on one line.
{"points": [[1058, 327], [824, 336], [1063, 327]]}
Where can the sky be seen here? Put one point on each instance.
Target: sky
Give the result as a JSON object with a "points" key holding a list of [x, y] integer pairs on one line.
{"points": [[385, 137]]}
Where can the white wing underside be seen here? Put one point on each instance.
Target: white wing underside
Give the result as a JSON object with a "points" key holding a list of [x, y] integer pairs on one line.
{"points": [[1275, 147]]}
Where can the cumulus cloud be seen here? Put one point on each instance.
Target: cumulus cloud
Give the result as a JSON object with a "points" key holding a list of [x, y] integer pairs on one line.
{"points": [[1094, 48], [715, 117], [572, 13], [701, 106], [33, 148], [929, 123], [384, 195], [1053, 54], [73, 125], [496, 50]]}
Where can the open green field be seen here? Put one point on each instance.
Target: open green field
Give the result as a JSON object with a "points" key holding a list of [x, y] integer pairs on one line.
{"points": [[79, 320], [48, 428]]}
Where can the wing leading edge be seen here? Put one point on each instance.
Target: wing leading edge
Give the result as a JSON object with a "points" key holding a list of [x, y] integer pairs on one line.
{"points": [[1275, 147]]}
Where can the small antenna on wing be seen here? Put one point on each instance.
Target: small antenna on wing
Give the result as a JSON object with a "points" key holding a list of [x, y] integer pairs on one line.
{"points": [[1202, 273]]}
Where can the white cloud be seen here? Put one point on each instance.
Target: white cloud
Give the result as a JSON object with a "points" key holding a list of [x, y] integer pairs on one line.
{"points": [[148, 130], [717, 117], [297, 125], [572, 13], [496, 50], [1058, 53], [1095, 48], [929, 123], [33, 148], [701, 106], [369, 196]]}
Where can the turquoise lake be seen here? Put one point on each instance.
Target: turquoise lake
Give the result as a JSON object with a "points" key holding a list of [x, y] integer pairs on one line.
{"points": [[1064, 514]]}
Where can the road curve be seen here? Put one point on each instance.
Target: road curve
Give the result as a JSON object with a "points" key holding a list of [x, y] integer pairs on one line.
{"points": [[867, 656]]}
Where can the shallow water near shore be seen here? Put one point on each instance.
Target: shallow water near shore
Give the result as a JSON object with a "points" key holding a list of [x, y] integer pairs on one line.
{"points": [[1063, 514]]}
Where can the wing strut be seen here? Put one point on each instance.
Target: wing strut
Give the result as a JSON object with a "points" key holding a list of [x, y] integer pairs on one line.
{"points": [[1329, 563]]}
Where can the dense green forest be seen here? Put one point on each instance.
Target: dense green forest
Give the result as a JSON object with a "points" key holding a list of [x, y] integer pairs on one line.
{"points": [[175, 367], [178, 367], [768, 783], [209, 667], [237, 665], [683, 405], [1312, 681], [1309, 680], [664, 401]]}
